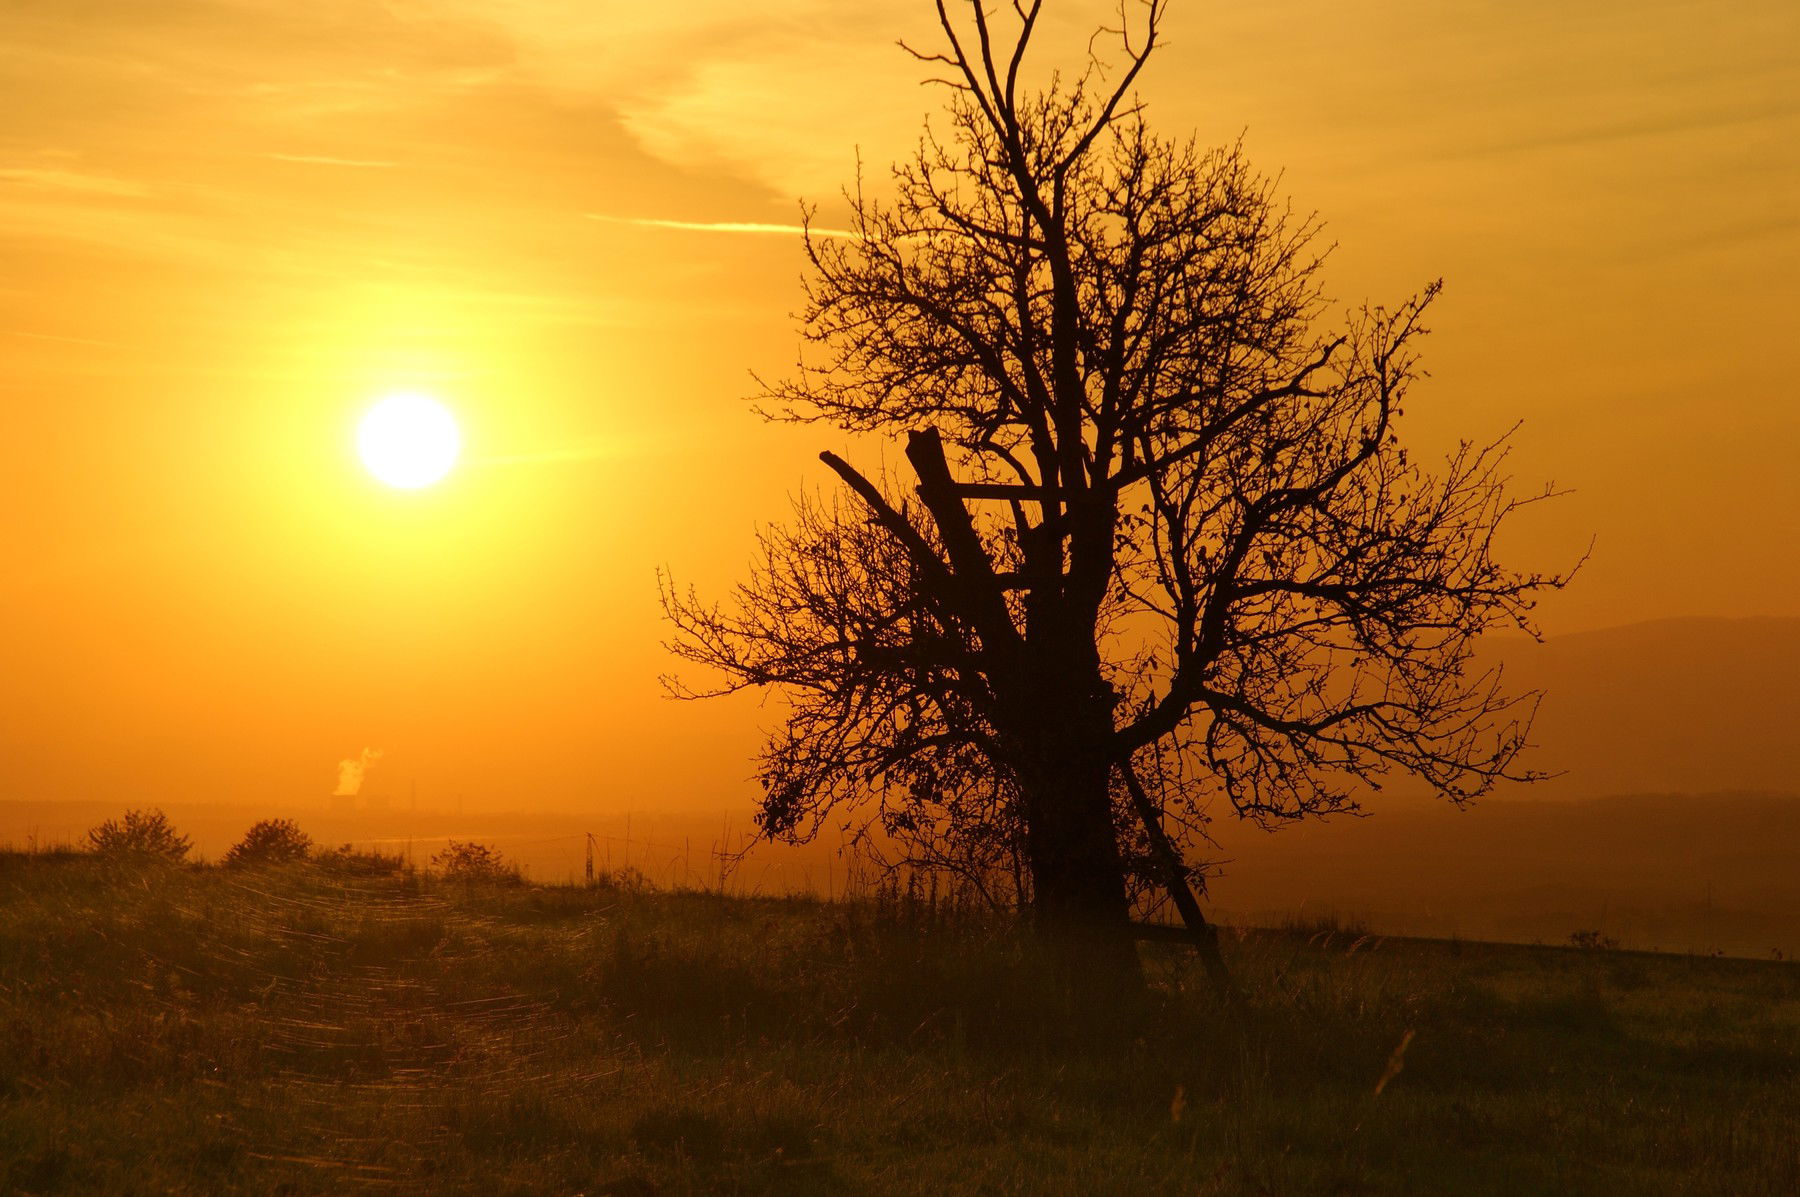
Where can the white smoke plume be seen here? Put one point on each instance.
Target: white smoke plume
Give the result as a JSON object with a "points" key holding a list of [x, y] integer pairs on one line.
{"points": [[351, 771]]}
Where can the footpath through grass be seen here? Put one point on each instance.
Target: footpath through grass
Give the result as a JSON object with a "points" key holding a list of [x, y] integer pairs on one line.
{"points": [[311, 1029]]}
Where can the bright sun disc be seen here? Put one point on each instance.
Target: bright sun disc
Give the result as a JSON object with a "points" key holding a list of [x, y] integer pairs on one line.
{"points": [[408, 441]]}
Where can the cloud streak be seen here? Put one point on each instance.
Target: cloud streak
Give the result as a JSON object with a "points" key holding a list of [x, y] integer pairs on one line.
{"points": [[319, 160], [596, 449], [48, 179], [31, 336], [754, 227]]}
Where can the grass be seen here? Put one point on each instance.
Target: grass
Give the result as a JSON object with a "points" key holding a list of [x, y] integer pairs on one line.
{"points": [[314, 1028]]}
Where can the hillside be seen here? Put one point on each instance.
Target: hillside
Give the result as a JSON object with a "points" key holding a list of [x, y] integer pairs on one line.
{"points": [[320, 1030], [1694, 706], [1672, 823], [1685, 873]]}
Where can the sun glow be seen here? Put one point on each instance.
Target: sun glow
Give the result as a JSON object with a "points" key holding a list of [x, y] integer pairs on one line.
{"points": [[408, 441]]}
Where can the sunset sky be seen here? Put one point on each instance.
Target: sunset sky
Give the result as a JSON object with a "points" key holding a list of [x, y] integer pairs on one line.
{"points": [[229, 226]]}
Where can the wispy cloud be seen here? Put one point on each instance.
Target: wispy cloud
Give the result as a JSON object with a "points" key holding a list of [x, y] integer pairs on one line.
{"points": [[51, 179], [724, 226], [1693, 119], [592, 450], [31, 336], [317, 160]]}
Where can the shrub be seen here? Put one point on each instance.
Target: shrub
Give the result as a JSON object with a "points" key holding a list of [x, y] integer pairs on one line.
{"points": [[359, 862], [270, 841], [142, 833], [627, 879], [474, 862], [1592, 941]]}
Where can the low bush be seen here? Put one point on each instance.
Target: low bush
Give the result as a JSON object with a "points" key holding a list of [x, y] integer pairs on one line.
{"points": [[352, 861], [141, 834], [270, 841], [475, 862], [1592, 941]]}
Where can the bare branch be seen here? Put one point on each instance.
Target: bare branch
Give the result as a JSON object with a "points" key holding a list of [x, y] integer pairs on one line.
{"points": [[1211, 569]]}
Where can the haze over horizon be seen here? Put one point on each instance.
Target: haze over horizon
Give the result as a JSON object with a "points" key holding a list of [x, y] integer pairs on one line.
{"points": [[1685, 705], [231, 225]]}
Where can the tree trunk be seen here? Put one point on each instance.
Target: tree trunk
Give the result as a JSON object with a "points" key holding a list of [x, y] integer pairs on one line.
{"points": [[1079, 901]]}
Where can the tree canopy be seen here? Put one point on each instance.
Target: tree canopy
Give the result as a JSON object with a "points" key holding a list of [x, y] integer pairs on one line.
{"points": [[1161, 533]]}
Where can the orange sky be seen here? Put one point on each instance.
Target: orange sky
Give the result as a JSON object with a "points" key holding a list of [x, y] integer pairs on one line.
{"points": [[228, 225]]}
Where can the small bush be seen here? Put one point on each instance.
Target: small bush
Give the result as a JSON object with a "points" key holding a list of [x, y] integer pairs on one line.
{"points": [[628, 879], [475, 862], [142, 834], [1592, 941], [352, 861], [270, 841]]}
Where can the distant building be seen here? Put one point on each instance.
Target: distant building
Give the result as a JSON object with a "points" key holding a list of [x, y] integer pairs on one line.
{"points": [[365, 802]]}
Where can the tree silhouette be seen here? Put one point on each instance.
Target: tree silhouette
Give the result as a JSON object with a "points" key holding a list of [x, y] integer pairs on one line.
{"points": [[270, 841], [474, 862], [141, 835], [1161, 542]]}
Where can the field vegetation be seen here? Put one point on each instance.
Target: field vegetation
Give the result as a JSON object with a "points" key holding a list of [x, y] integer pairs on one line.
{"points": [[341, 1021]]}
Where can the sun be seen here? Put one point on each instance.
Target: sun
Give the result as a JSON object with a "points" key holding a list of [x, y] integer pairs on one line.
{"points": [[408, 441]]}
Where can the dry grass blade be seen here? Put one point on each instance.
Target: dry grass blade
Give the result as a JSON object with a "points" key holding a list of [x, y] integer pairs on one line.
{"points": [[1395, 1062]]}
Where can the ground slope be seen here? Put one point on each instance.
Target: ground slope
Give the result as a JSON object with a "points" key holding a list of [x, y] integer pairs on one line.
{"points": [[310, 1030]]}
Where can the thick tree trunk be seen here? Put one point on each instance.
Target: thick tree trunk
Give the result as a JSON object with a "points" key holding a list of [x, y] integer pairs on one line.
{"points": [[1076, 872], [1057, 715], [1079, 903]]}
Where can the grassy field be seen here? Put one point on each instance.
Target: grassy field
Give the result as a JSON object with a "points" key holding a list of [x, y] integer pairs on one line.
{"points": [[311, 1029]]}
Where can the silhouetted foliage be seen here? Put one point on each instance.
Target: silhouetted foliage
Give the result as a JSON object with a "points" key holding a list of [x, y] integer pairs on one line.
{"points": [[1592, 941], [628, 879], [474, 862], [270, 841], [1160, 527], [352, 861], [141, 834]]}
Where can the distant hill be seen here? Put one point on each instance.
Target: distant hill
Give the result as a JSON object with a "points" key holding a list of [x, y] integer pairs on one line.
{"points": [[1674, 821], [1672, 706], [1684, 872]]}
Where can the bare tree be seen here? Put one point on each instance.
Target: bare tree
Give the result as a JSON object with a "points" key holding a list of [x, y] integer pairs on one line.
{"points": [[1161, 544]]}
